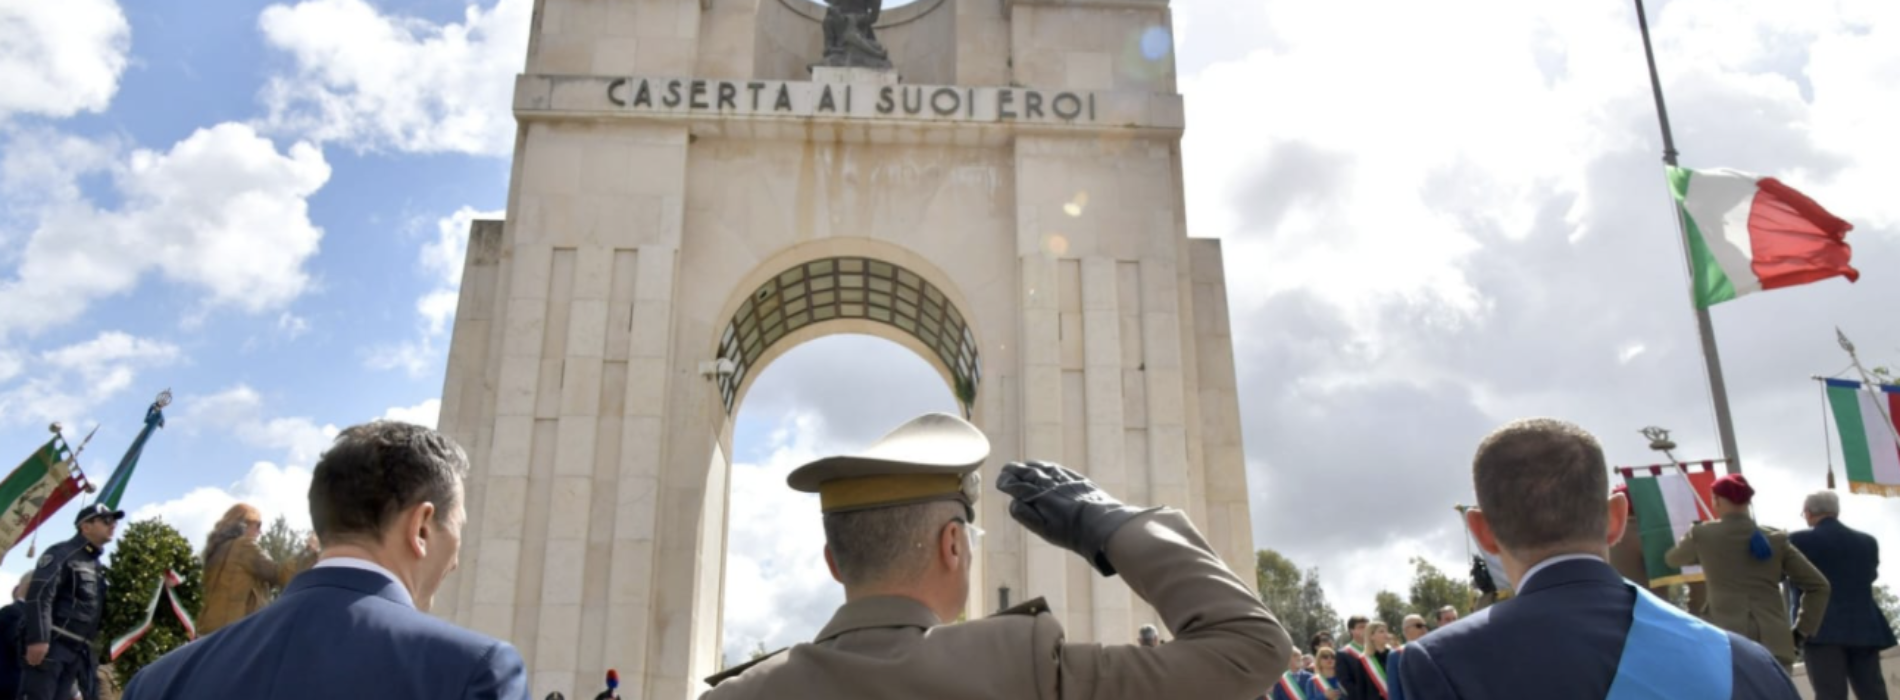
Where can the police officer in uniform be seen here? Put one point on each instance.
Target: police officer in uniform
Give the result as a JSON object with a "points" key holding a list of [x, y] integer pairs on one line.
{"points": [[66, 602], [899, 535]]}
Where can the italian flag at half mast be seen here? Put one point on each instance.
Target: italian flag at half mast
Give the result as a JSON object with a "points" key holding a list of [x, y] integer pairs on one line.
{"points": [[1748, 233], [1667, 504], [1868, 429]]}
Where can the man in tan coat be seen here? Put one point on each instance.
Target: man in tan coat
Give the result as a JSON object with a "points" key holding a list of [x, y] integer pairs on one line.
{"points": [[1744, 564], [899, 536]]}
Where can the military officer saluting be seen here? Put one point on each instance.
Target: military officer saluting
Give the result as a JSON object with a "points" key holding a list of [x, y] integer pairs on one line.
{"points": [[65, 604], [899, 535]]}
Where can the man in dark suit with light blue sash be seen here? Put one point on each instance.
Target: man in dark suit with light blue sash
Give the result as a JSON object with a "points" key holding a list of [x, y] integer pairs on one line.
{"points": [[386, 501], [1846, 649], [1575, 629]]}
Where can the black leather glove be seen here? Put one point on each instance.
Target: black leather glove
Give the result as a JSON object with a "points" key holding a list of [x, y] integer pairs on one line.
{"points": [[1065, 508]]}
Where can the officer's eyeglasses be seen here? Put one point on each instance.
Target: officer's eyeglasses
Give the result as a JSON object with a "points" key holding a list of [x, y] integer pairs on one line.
{"points": [[976, 533]]}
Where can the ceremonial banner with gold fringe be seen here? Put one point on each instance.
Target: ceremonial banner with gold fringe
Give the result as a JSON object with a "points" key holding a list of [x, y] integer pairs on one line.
{"points": [[1865, 418], [26, 491], [1667, 504], [169, 581]]}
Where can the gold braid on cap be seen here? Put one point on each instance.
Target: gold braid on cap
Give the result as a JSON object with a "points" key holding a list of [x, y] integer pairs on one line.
{"points": [[859, 493]]}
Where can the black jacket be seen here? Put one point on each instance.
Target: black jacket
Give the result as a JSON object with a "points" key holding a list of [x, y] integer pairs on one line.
{"points": [[68, 593], [12, 652]]}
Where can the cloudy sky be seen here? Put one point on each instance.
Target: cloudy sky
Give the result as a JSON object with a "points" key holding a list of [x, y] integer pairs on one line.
{"points": [[1437, 217]]}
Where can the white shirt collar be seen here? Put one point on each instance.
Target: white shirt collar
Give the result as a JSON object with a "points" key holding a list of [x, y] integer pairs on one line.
{"points": [[367, 565], [1525, 582]]}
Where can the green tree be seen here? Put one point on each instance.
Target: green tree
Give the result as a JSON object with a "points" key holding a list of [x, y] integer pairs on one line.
{"points": [[146, 549], [1297, 599], [283, 544], [1390, 609], [1889, 604], [1433, 589]]}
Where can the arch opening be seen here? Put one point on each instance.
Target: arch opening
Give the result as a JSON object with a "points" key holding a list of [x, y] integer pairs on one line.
{"points": [[829, 395]]}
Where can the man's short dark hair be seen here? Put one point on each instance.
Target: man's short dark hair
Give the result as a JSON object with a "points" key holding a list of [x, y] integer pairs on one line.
{"points": [[379, 469], [1320, 639], [1353, 623], [1541, 484]]}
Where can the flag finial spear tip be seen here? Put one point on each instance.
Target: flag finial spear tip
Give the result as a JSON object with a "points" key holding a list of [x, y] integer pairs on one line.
{"points": [[1846, 344]]}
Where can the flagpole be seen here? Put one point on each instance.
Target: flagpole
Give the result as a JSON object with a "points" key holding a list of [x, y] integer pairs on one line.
{"points": [[1867, 381], [1711, 358]]}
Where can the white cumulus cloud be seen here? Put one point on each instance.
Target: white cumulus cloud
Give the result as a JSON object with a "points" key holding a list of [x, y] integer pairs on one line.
{"points": [[778, 590], [61, 58], [275, 490], [441, 260], [67, 383], [221, 211], [377, 81], [425, 414], [240, 411]]}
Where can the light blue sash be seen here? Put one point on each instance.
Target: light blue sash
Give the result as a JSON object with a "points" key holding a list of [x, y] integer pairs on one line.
{"points": [[1671, 655]]}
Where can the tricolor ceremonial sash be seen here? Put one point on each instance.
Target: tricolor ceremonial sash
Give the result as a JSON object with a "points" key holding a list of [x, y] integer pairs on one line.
{"points": [[1289, 687], [1374, 669], [166, 583], [1670, 654]]}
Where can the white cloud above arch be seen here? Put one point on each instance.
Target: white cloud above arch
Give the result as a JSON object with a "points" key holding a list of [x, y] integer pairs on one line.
{"points": [[368, 80], [61, 58]]}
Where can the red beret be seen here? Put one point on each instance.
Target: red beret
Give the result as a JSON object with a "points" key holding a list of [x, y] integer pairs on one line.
{"points": [[1735, 488]]}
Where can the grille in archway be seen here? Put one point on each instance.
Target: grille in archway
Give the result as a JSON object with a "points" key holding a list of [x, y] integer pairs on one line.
{"points": [[849, 288]]}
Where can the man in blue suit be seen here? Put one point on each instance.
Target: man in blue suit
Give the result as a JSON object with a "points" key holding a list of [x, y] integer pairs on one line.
{"points": [[386, 501], [1575, 629], [1846, 649]]}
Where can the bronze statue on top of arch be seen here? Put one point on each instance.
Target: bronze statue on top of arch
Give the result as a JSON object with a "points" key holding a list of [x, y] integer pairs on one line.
{"points": [[850, 37]]}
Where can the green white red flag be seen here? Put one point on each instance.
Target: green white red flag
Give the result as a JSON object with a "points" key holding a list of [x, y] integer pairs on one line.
{"points": [[163, 589], [1748, 233], [1667, 504], [1867, 425], [29, 488]]}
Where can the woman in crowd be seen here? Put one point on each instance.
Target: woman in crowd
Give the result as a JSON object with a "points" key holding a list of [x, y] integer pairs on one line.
{"points": [[1326, 667], [239, 575], [1379, 648]]}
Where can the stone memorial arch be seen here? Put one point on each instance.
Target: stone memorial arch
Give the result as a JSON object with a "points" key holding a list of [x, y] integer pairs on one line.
{"points": [[700, 185]]}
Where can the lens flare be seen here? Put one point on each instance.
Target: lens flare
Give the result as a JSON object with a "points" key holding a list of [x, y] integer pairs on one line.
{"points": [[1156, 42], [1076, 205], [1055, 244]]}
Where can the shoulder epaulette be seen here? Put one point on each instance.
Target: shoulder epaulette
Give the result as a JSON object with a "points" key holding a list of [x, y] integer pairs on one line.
{"points": [[731, 673], [1031, 607]]}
